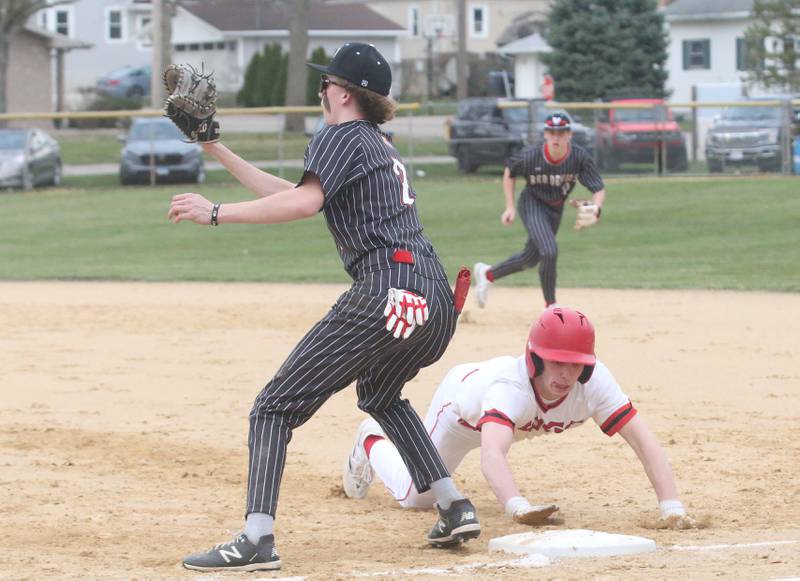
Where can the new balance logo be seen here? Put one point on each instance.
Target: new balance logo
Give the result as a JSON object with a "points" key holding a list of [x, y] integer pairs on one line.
{"points": [[467, 516], [227, 554]]}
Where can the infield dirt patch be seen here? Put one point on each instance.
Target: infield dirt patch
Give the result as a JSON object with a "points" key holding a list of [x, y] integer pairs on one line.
{"points": [[123, 440]]}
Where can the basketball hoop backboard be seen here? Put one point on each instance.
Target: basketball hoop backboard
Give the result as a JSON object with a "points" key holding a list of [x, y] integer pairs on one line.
{"points": [[438, 25]]}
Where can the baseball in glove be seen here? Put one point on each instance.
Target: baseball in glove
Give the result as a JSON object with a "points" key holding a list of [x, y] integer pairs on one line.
{"points": [[191, 102], [588, 213]]}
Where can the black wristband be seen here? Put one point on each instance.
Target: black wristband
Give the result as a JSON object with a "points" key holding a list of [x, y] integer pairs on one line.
{"points": [[215, 214]]}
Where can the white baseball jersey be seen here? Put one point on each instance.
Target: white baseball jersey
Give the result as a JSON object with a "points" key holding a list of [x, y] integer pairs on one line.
{"points": [[499, 390]]}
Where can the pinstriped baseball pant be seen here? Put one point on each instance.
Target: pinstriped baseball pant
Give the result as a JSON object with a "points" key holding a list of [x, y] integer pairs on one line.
{"points": [[351, 344], [542, 222]]}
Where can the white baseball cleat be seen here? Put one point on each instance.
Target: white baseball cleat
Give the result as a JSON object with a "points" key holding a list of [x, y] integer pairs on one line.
{"points": [[481, 282], [357, 473]]}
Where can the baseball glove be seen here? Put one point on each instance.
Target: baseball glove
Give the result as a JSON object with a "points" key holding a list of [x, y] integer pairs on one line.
{"points": [[191, 102], [588, 213]]}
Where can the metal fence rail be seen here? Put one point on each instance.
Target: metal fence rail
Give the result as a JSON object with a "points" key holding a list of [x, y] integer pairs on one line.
{"points": [[668, 138]]}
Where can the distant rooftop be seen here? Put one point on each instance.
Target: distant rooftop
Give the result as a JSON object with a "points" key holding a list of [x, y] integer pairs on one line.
{"points": [[258, 15], [701, 9]]}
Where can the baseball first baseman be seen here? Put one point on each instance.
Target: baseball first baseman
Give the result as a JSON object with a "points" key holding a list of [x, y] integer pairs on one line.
{"points": [[557, 385], [397, 317], [550, 172]]}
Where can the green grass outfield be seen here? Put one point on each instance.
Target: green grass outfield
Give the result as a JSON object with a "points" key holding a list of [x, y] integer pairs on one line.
{"points": [[720, 233], [87, 148]]}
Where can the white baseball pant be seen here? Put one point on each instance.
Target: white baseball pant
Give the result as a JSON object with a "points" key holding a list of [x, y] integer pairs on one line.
{"points": [[452, 440]]}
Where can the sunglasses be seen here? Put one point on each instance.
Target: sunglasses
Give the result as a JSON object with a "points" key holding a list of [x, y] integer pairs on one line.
{"points": [[325, 82]]}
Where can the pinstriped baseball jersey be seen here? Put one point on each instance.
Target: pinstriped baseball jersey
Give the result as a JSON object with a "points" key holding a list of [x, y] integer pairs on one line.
{"points": [[369, 200], [369, 208], [553, 182]]}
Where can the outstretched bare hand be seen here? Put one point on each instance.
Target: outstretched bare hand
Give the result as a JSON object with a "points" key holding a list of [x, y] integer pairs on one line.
{"points": [[192, 207]]}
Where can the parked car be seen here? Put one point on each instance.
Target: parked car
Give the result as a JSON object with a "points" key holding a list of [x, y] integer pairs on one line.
{"points": [[158, 139], [636, 135], [28, 158], [483, 133], [128, 82], [746, 135]]}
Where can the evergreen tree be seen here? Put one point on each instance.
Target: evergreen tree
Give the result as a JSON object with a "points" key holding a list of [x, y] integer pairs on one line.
{"points": [[278, 88], [246, 95], [267, 74], [604, 49], [312, 84], [772, 43]]}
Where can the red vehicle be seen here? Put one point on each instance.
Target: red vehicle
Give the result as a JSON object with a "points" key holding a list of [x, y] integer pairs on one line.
{"points": [[637, 135]]}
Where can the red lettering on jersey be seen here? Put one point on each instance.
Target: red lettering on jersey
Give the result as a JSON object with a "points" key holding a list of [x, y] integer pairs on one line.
{"points": [[538, 424]]}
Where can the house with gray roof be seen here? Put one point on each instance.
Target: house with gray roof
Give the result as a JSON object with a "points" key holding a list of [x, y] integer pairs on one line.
{"points": [[706, 44], [222, 34], [225, 34]]}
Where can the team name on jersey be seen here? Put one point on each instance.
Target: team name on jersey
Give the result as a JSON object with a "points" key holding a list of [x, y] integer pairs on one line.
{"points": [[555, 180], [539, 425]]}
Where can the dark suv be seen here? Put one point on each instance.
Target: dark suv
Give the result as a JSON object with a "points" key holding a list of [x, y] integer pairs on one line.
{"points": [[483, 133]]}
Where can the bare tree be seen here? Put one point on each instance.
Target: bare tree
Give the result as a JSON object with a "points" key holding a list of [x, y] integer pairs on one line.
{"points": [[773, 52], [161, 37], [14, 14], [297, 70]]}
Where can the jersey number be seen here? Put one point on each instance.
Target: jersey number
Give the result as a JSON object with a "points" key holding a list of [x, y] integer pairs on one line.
{"points": [[402, 175]]}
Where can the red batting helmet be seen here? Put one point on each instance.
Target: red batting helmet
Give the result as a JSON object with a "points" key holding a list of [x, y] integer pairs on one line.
{"points": [[563, 335]]}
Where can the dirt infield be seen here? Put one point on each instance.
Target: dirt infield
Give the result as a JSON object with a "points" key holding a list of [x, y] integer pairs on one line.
{"points": [[124, 421]]}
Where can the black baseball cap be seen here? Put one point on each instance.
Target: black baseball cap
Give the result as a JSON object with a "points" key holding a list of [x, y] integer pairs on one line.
{"points": [[557, 122], [362, 65]]}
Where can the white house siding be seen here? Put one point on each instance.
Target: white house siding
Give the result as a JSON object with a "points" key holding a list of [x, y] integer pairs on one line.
{"points": [[722, 35], [88, 20], [328, 40], [528, 75]]}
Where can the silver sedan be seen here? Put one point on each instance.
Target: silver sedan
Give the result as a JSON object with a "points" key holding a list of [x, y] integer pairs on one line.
{"points": [[28, 158]]}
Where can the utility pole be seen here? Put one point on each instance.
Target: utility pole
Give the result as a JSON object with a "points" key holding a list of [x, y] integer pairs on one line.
{"points": [[461, 58], [157, 33]]}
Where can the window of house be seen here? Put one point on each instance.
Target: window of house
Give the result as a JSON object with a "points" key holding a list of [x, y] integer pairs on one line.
{"points": [[143, 34], [696, 54], [63, 21], [741, 54], [413, 21], [478, 21], [115, 30]]}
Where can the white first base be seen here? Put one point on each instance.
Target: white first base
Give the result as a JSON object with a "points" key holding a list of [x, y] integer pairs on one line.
{"points": [[572, 543]]}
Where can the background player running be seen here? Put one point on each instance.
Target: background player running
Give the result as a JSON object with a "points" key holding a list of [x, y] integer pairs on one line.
{"points": [[397, 317], [557, 385], [550, 171]]}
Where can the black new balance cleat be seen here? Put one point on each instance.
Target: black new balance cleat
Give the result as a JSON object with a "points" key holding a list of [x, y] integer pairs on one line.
{"points": [[456, 525], [237, 555]]}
